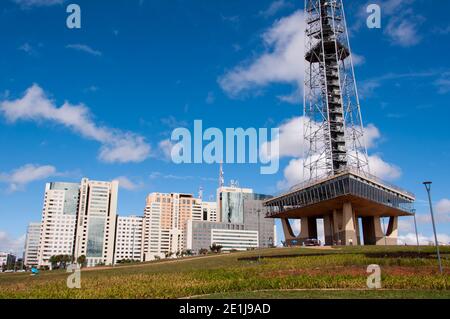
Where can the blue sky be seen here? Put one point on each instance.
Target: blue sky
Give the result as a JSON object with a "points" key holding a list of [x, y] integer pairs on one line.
{"points": [[102, 101]]}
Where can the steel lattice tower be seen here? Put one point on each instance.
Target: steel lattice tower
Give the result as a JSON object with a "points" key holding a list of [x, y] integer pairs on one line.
{"points": [[333, 126], [339, 188]]}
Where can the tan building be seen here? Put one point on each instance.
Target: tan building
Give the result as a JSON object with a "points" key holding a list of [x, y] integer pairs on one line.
{"points": [[96, 221], [165, 220]]}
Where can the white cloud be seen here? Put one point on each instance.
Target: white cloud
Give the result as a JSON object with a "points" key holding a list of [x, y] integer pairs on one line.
{"points": [[371, 135], [11, 245], [27, 48], [403, 30], [275, 7], [411, 239], [166, 147], [292, 144], [117, 146], [358, 59], [20, 177], [443, 83], [281, 62], [84, 48], [290, 140], [442, 211], [403, 23], [126, 183], [210, 98], [37, 3], [443, 206], [382, 169]]}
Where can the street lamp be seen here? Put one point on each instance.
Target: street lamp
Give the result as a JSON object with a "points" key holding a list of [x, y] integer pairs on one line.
{"points": [[259, 234], [417, 234], [428, 188]]}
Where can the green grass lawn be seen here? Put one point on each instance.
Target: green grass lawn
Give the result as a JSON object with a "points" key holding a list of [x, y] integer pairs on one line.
{"points": [[300, 273]]}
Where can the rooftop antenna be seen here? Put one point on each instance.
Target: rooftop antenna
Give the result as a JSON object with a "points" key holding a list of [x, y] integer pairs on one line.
{"points": [[200, 193], [221, 178]]}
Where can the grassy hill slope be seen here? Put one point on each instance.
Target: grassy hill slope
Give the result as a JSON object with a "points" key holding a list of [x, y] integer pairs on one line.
{"points": [[280, 273]]}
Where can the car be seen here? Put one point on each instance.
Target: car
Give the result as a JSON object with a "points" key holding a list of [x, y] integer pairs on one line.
{"points": [[312, 242]]}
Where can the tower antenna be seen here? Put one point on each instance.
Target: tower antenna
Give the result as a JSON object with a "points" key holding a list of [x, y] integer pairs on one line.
{"points": [[333, 130], [221, 176]]}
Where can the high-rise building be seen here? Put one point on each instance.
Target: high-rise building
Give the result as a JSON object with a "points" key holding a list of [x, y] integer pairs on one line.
{"points": [[31, 251], [129, 236], [243, 206], [255, 219], [58, 222], [230, 203], [96, 221], [165, 222]]}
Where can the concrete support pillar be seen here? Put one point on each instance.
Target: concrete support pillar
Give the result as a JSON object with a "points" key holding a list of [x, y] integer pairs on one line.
{"points": [[328, 229], [373, 233], [358, 235], [392, 231], [379, 234], [348, 222], [337, 228], [287, 229], [312, 227], [304, 228]]}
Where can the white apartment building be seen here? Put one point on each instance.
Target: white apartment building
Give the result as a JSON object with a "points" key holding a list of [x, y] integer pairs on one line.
{"points": [[202, 234], [57, 233], [96, 223], [231, 239], [31, 251], [129, 235]]}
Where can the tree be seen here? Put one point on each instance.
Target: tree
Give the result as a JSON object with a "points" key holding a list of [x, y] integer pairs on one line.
{"points": [[65, 259], [169, 254], [215, 248], [81, 260], [203, 251], [54, 261]]}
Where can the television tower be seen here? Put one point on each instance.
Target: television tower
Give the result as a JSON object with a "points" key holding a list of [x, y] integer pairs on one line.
{"points": [[338, 186], [334, 128]]}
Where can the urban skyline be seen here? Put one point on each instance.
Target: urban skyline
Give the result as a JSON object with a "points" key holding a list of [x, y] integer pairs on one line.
{"points": [[80, 220], [224, 83]]}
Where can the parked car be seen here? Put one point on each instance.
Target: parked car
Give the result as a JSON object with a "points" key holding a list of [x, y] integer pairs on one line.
{"points": [[312, 242]]}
